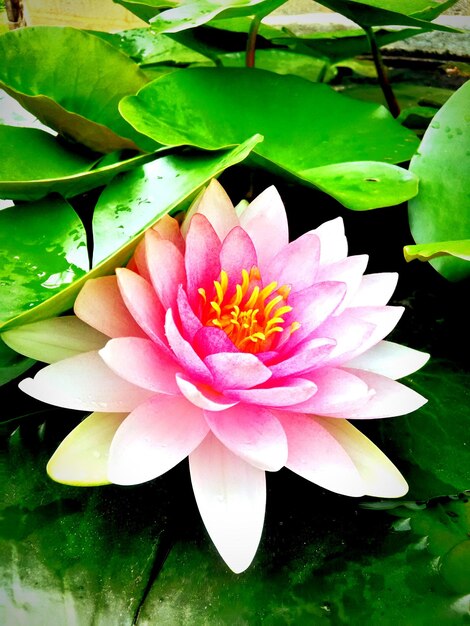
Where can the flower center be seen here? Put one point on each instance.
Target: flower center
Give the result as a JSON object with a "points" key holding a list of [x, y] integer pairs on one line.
{"points": [[249, 314]]}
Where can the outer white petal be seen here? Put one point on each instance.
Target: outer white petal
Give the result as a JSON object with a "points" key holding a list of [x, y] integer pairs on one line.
{"points": [[214, 204], [54, 339], [86, 383], [375, 289], [316, 455], [334, 245], [231, 496], [380, 477], [154, 438], [265, 221], [82, 457], [389, 398], [390, 359]]}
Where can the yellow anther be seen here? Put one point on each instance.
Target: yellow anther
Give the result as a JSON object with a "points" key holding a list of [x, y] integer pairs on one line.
{"points": [[253, 298], [251, 325]]}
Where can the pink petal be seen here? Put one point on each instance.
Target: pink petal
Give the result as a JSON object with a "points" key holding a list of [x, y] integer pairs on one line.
{"points": [[356, 330], [334, 245], [390, 359], [296, 264], [231, 497], [349, 271], [202, 258], [190, 323], [211, 340], [237, 253], [288, 392], [307, 356], [138, 262], [185, 353], [155, 437], [142, 302], [82, 457], [86, 383], [311, 307], [214, 204], [166, 267], [265, 221], [252, 433], [338, 391], [317, 456], [375, 289], [389, 400], [100, 305], [380, 478], [141, 362], [203, 396], [236, 370]]}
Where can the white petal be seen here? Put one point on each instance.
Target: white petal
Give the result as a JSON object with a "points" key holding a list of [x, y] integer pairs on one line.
{"points": [[86, 383], [317, 456], [265, 221], [82, 457], [390, 359], [380, 477], [389, 398], [375, 289], [334, 245], [54, 339], [231, 496], [154, 438], [214, 204]]}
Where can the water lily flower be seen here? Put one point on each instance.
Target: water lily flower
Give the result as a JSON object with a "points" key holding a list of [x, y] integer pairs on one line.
{"points": [[224, 342]]}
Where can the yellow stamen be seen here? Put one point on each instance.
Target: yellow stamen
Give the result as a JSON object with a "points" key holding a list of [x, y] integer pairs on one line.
{"points": [[250, 314]]}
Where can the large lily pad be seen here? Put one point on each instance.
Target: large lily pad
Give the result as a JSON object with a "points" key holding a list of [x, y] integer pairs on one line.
{"points": [[197, 106], [72, 97], [441, 210], [44, 253]]}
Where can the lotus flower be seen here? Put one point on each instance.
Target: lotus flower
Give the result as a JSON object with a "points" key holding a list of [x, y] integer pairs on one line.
{"points": [[223, 342]]}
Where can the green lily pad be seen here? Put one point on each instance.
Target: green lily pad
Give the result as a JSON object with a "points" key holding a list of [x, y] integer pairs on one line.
{"points": [[441, 210], [384, 12], [44, 253], [428, 251], [343, 44], [30, 154], [172, 16], [67, 185], [364, 185], [197, 106], [145, 47], [284, 62], [72, 97]]}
